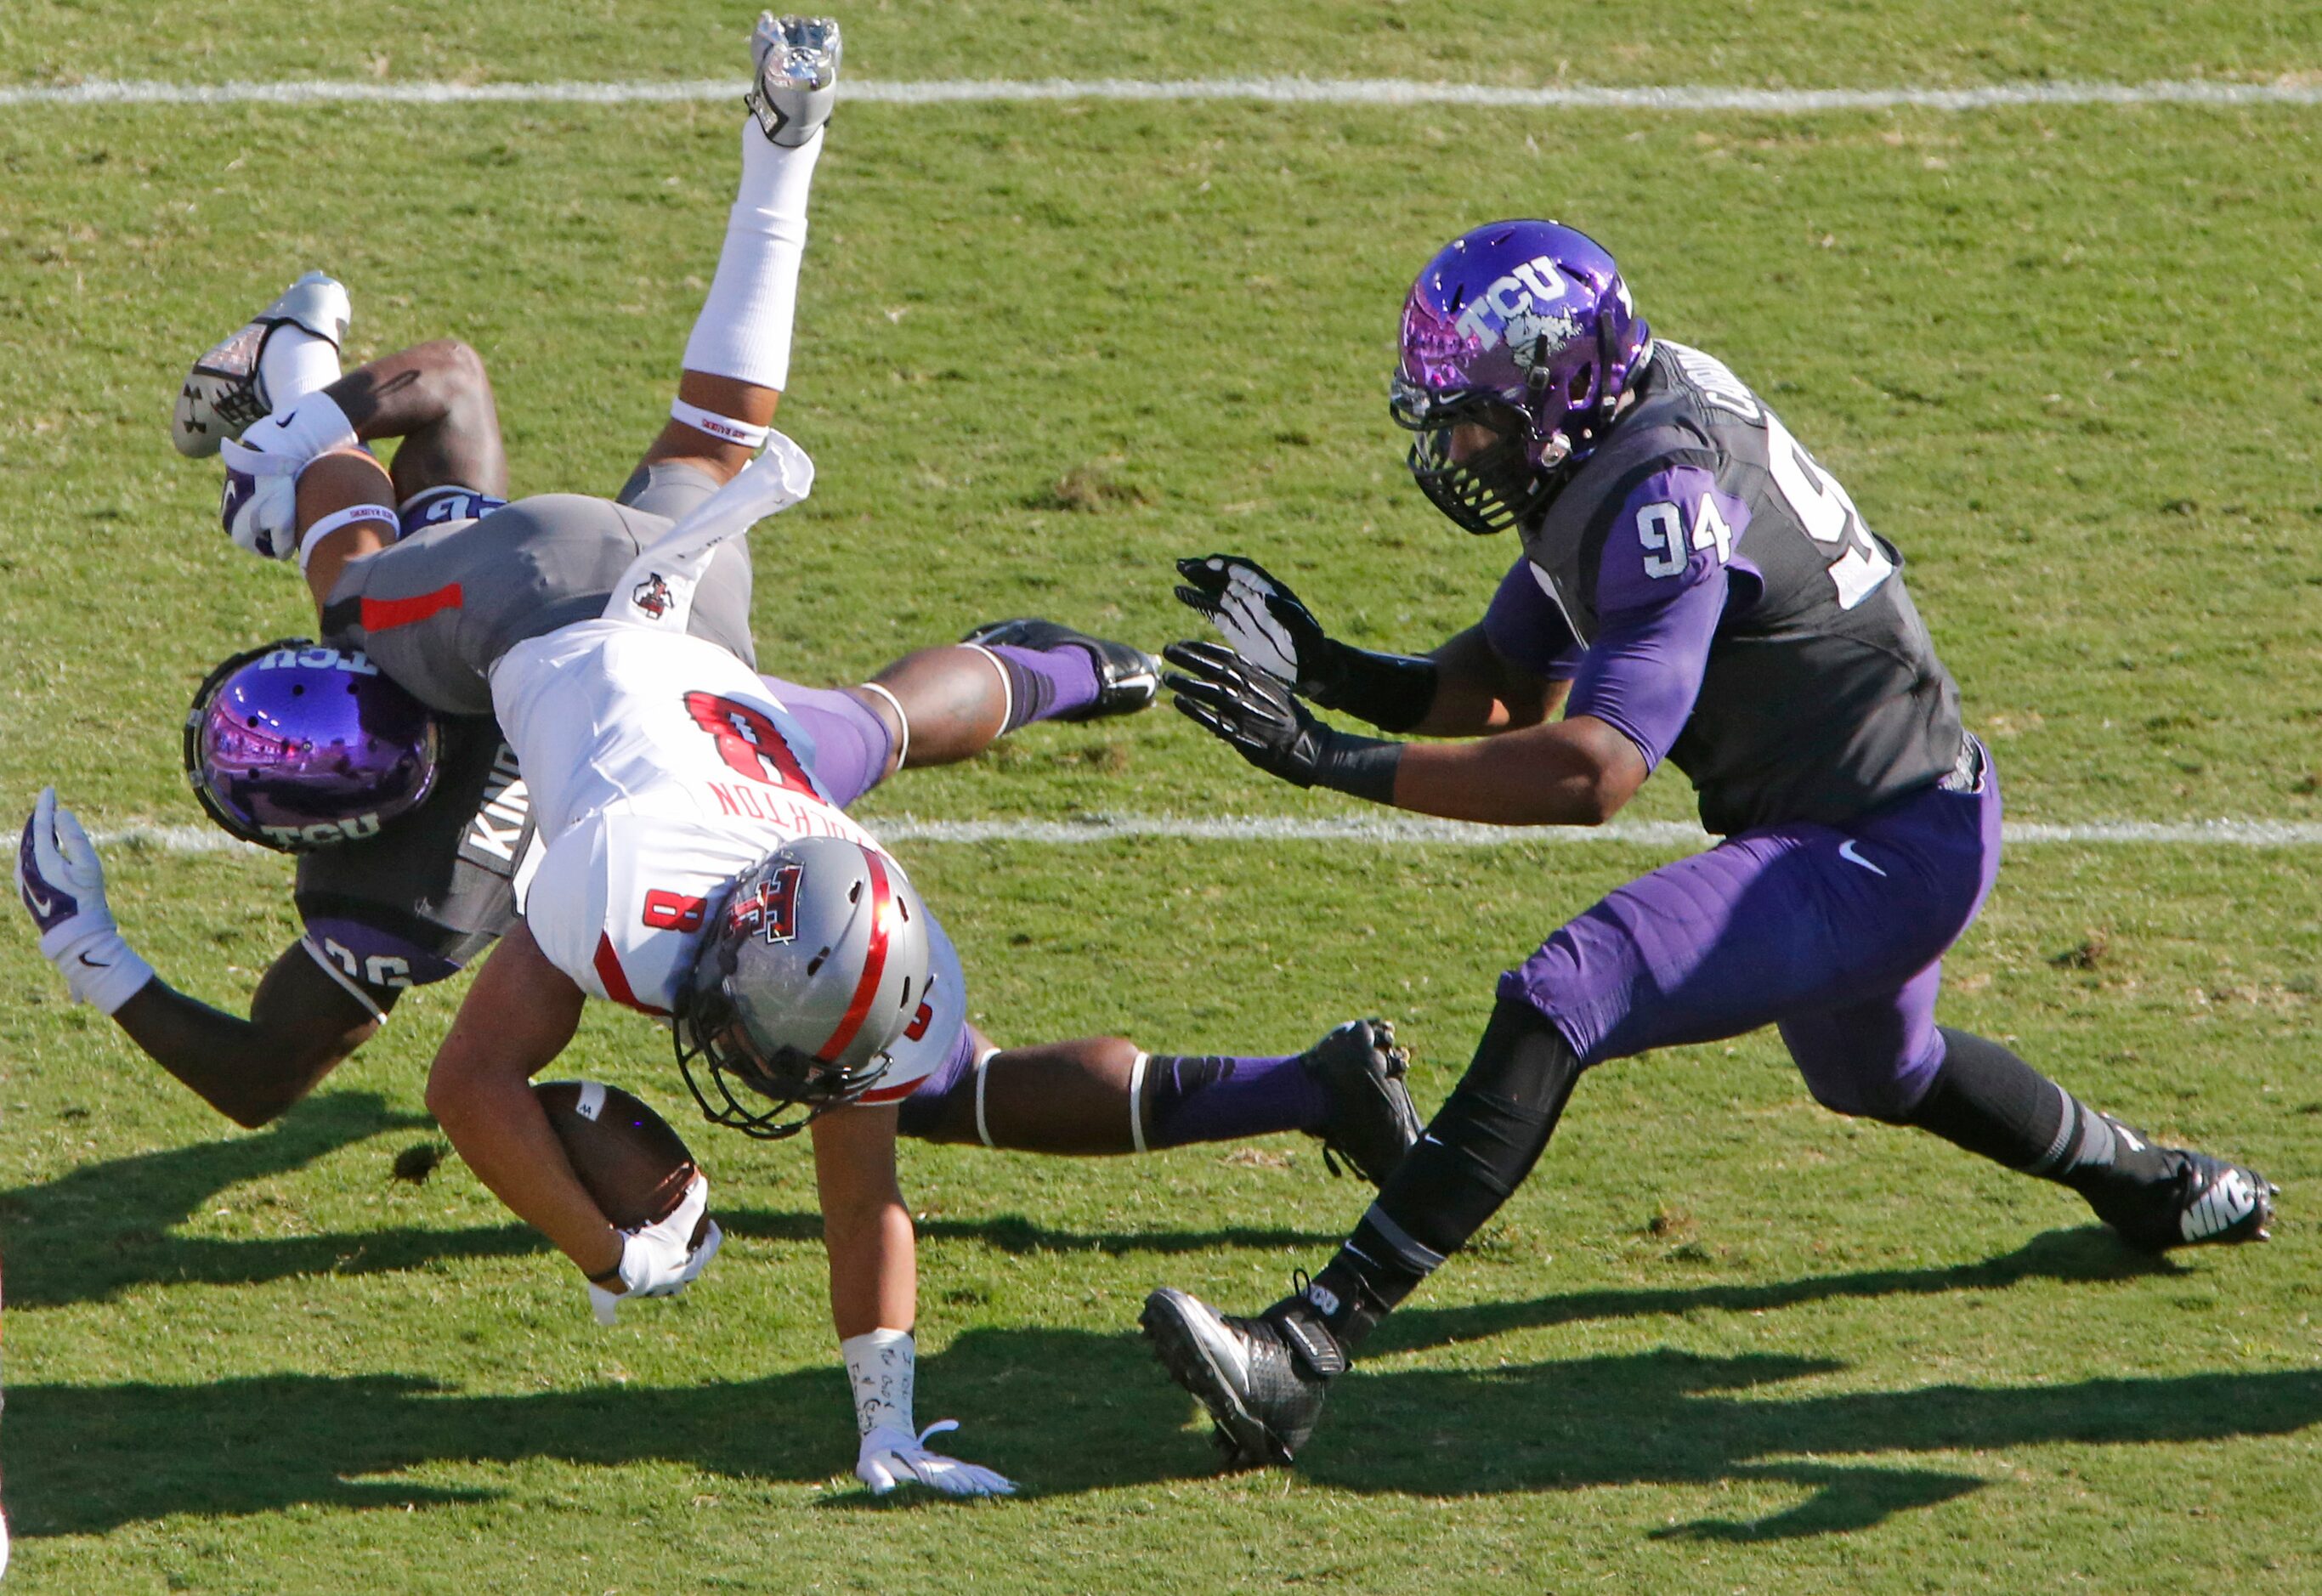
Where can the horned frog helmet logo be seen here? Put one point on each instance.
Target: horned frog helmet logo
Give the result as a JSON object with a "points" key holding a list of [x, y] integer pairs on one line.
{"points": [[1536, 337]]}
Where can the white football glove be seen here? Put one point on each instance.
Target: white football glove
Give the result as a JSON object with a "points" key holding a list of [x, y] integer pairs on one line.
{"points": [[62, 886], [656, 1261], [891, 1456], [260, 506]]}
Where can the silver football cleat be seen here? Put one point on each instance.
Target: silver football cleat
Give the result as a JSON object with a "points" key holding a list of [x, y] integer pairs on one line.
{"points": [[224, 394], [797, 82]]}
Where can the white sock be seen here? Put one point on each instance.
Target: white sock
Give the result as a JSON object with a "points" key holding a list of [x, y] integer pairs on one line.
{"points": [[882, 1367], [295, 363], [743, 331]]}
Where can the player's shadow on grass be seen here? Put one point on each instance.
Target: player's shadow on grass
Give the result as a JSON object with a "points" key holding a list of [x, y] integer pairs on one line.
{"points": [[2090, 1254], [1072, 1411], [106, 1227], [1014, 1234]]}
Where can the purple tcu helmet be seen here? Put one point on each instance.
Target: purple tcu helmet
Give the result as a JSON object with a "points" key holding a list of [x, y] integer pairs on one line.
{"points": [[1527, 327], [815, 964], [296, 746]]}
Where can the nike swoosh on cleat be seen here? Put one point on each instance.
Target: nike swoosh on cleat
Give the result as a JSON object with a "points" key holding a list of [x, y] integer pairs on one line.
{"points": [[1846, 852]]}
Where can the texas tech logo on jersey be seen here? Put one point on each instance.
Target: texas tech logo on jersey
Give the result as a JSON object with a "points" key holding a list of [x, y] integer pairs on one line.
{"points": [[771, 910], [652, 596]]}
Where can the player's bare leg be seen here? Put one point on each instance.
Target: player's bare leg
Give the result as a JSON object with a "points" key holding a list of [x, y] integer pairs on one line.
{"points": [[437, 397], [1104, 1095], [941, 705]]}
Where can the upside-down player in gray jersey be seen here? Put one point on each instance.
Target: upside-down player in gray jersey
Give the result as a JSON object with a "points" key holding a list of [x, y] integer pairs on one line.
{"points": [[1695, 588]]}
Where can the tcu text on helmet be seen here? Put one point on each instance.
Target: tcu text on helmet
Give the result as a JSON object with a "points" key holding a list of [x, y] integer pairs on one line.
{"points": [[325, 831], [1520, 305], [352, 661]]}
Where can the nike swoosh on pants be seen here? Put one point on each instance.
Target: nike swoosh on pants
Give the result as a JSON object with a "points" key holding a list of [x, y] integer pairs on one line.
{"points": [[1846, 851]]}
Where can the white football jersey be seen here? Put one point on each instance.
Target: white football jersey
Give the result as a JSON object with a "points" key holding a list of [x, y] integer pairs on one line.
{"points": [[660, 767]]}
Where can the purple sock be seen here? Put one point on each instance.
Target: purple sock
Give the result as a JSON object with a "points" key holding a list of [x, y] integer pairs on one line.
{"points": [[1225, 1099], [1044, 683]]}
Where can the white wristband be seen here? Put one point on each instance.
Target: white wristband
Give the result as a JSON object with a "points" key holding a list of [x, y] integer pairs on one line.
{"points": [[882, 1367], [724, 428], [103, 973], [312, 538]]}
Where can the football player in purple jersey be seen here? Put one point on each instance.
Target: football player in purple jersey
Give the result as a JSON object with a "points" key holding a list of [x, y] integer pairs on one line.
{"points": [[1695, 587]]}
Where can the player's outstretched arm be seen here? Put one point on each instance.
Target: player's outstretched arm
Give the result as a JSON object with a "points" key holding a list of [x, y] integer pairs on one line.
{"points": [[1578, 772], [517, 1017], [873, 1303], [874, 1277], [302, 1022], [1463, 689], [1478, 691], [302, 1025]]}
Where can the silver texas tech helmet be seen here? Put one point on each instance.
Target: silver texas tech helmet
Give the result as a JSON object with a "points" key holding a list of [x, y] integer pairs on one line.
{"points": [[810, 970]]}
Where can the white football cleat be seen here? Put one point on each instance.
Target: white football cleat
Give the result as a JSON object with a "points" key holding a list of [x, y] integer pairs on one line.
{"points": [[224, 394], [797, 81]]}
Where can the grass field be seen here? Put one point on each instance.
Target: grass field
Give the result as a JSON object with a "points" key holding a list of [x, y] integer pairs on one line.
{"points": [[1724, 1341]]}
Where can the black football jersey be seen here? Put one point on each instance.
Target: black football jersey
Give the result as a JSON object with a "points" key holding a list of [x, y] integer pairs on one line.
{"points": [[1820, 696], [435, 886]]}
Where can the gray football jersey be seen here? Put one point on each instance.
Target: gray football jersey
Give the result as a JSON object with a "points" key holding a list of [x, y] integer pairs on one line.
{"points": [[434, 611], [1822, 698]]}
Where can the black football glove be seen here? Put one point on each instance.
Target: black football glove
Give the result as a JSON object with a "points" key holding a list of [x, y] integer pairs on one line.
{"points": [[1265, 623], [1261, 720]]}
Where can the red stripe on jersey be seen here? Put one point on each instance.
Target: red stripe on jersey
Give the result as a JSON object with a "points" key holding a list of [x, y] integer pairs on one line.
{"points": [[616, 979], [875, 964], [385, 614]]}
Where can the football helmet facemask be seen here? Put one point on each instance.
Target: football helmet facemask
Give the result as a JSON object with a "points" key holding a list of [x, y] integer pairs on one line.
{"points": [[815, 964]]}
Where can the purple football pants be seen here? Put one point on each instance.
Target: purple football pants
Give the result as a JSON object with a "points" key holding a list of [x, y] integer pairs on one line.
{"points": [[1836, 934]]}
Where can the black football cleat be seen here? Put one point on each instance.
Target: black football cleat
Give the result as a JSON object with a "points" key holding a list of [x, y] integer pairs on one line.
{"points": [[2194, 1200], [1127, 678], [1262, 1380], [1371, 1123]]}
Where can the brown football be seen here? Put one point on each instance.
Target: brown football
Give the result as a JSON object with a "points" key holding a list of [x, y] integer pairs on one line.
{"points": [[633, 1164]]}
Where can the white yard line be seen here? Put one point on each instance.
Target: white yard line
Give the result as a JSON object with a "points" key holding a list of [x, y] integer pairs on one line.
{"points": [[1278, 91], [1394, 830]]}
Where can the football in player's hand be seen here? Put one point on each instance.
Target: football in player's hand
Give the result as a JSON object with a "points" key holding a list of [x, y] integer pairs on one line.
{"points": [[634, 1164]]}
